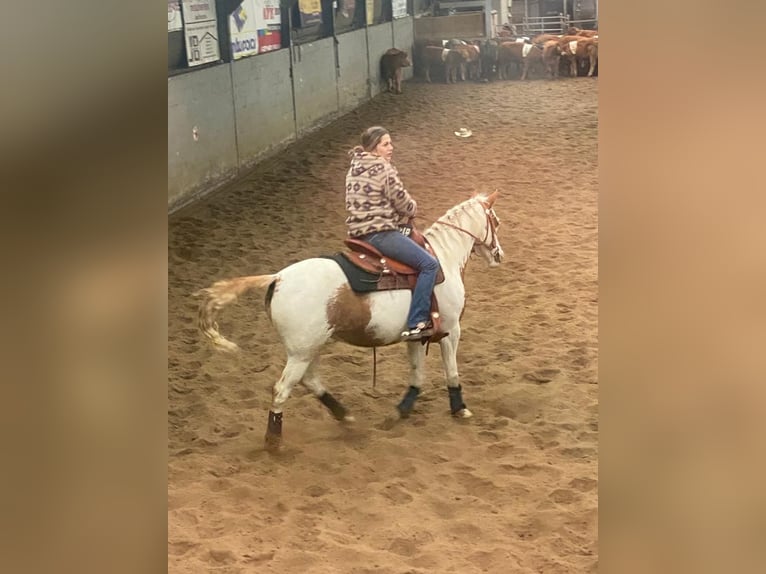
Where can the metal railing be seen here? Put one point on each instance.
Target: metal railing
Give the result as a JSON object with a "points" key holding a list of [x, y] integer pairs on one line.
{"points": [[589, 24], [532, 26]]}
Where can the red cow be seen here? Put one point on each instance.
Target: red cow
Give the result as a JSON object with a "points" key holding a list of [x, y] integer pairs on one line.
{"points": [[579, 49], [575, 31], [391, 64], [542, 38]]}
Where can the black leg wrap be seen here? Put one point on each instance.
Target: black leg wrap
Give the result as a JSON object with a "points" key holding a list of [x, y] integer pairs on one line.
{"points": [[456, 398], [405, 407], [337, 409], [275, 424]]}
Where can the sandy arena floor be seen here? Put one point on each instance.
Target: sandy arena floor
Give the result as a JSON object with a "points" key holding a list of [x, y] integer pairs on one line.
{"points": [[512, 490]]}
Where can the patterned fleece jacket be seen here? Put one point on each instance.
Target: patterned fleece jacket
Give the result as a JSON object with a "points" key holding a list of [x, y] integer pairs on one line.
{"points": [[375, 196]]}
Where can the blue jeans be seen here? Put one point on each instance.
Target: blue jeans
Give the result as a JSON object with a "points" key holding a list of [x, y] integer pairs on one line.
{"points": [[397, 246]]}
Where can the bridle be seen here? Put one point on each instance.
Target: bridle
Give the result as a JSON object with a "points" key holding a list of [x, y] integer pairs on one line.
{"points": [[493, 222]]}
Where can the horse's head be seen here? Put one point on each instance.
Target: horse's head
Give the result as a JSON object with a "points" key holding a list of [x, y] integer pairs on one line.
{"points": [[477, 219], [489, 248]]}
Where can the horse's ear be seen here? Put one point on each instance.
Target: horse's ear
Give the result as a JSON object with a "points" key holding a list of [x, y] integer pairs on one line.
{"points": [[492, 198]]}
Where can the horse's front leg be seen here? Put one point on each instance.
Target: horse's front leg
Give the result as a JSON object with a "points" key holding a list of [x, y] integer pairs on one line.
{"points": [[416, 353], [449, 358]]}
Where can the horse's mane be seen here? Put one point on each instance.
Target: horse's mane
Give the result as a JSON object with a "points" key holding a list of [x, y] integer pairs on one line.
{"points": [[440, 235], [453, 211]]}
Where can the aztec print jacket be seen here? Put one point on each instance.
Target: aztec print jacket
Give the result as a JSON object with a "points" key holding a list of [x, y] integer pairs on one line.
{"points": [[375, 196]]}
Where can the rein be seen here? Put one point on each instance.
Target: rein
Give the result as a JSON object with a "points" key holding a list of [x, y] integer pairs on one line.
{"points": [[491, 226]]}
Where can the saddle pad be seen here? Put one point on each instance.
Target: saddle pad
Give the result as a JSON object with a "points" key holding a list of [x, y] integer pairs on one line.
{"points": [[362, 281]]}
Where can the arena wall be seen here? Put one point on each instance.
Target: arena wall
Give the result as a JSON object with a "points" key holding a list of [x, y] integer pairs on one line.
{"points": [[263, 105], [404, 39], [379, 39], [224, 119], [200, 103], [353, 74]]}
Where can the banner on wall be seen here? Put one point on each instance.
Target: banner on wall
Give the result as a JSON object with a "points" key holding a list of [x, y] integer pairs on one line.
{"points": [[175, 22], [243, 30], [269, 25], [311, 11], [198, 10], [200, 32], [399, 8], [370, 12], [201, 43]]}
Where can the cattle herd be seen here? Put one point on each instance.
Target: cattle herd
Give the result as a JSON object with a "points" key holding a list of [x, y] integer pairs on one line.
{"points": [[505, 57]]}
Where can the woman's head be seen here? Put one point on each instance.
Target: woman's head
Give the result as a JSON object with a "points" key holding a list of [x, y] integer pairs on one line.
{"points": [[377, 140]]}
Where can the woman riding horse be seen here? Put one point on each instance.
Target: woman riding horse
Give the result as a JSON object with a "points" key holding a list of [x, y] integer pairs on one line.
{"points": [[378, 204]]}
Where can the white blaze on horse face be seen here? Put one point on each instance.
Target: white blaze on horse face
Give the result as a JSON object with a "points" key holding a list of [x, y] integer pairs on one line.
{"points": [[493, 255], [492, 258]]}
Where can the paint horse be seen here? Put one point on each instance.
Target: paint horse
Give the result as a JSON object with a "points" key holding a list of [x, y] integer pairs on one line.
{"points": [[311, 302]]}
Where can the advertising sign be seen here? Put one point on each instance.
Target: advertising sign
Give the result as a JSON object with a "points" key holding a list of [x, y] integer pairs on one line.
{"points": [[269, 25], [201, 42], [199, 10], [311, 11], [200, 31], [175, 22], [399, 8], [243, 30]]}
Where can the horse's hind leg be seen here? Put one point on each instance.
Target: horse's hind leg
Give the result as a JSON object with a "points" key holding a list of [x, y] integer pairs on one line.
{"points": [[311, 382], [449, 358], [291, 375], [416, 353]]}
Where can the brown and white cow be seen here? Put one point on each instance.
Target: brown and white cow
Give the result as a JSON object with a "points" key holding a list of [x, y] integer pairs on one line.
{"points": [[579, 49], [436, 56], [542, 38], [520, 53], [575, 31], [472, 55], [454, 65], [391, 64]]}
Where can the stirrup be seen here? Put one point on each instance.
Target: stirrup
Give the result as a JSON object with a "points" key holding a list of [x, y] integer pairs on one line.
{"points": [[421, 331]]}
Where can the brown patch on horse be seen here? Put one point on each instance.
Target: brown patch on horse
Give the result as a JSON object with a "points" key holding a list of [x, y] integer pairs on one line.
{"points": [[349, 314]]}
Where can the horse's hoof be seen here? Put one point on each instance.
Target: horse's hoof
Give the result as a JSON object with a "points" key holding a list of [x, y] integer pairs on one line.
{"points": [[389, 422], [463, 414], [272, 442]]}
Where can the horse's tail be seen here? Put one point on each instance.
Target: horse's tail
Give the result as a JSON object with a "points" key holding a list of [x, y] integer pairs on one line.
{"points": [[221, 294]]}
